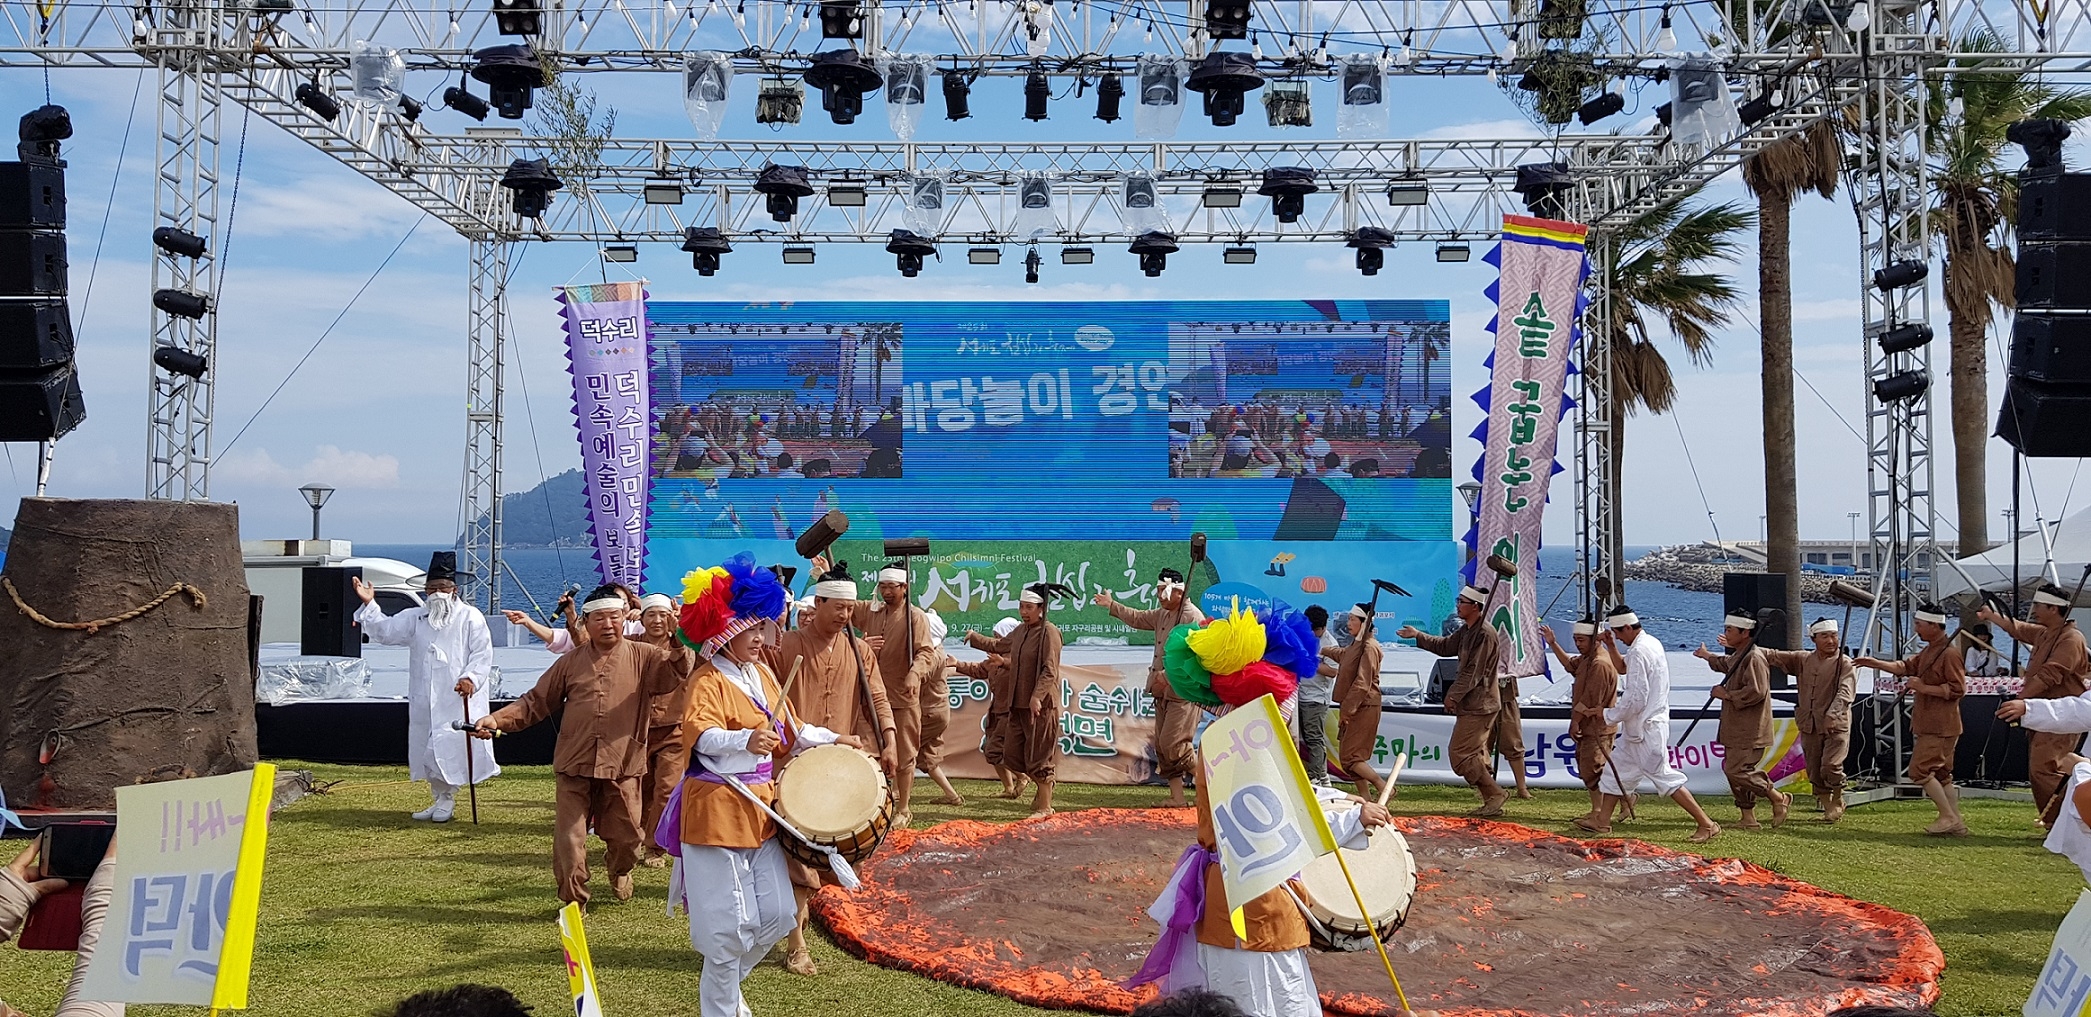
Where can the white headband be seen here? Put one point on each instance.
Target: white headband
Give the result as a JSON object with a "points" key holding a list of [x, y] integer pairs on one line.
{"points": [[1006, 626], [1586, 628], [836, 589], [1165, 585], [1358, 611], [1824, 626], [1932, 617], [2050, 599], [1031, 597], [1473, 593], [605, 604], [1741, 621], [893, 576], [654, 600], [1624, 619]]}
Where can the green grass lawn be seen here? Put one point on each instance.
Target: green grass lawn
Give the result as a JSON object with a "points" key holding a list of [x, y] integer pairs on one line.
{"points": [[362, 906]]}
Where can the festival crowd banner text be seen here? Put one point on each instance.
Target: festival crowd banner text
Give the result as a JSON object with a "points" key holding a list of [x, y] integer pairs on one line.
{"points": [[606, 354], [1539, 302]]}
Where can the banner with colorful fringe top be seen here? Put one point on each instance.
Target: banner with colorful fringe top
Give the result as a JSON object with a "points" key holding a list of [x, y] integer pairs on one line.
{"points": [[1539, 299], [606, 355]]}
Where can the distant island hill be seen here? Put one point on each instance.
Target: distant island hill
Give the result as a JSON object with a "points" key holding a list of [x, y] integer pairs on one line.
{"points": [[552, 514]]}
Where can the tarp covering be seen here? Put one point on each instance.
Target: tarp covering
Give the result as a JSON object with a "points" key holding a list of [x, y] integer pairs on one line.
{"points": [[2060, 559]]}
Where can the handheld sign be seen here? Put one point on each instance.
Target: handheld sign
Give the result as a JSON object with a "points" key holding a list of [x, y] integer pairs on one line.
{"points": [[580, 970], [2064, 986], [1264, 813]]}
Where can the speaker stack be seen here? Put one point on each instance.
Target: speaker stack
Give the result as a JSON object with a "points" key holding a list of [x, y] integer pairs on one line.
{"points": [[39, 389], [1760, 595], [2047, 399]]}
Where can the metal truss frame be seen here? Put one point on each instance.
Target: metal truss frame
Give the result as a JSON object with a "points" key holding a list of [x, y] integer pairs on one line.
{"points": [[485, 335]]}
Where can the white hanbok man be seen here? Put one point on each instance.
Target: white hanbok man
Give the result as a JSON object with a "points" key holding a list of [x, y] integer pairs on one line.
{"points": [[451, 656], [1642, 712]]}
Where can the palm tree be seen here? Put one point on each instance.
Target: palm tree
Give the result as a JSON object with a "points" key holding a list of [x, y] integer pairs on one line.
{"points": [[1782, 171], [1973, 202], [1657, 276]]}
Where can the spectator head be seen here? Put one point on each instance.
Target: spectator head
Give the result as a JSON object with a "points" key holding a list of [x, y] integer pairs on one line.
{"points": [[819, 468], [1364, 468], [784, 460], [1191, 1003], [462, 1001], [1317, 616], [1332, 461]]}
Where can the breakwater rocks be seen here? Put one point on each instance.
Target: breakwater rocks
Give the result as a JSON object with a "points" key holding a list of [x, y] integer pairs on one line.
{"points": [[1698, 567]]}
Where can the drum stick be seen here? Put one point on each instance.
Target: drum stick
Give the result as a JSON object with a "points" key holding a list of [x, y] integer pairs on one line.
{"points": [[471, 783], [1372, 928], [793, 676], [1388, 791]]}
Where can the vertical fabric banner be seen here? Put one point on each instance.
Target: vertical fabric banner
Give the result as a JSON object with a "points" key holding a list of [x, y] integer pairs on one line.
{"points": [[1264, 813], [1539, 299], [580, 968], [606, 354]]}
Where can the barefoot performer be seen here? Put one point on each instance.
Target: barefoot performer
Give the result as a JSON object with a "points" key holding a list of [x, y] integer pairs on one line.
{"points": [[1031, 745], [1643, 715], [995, 734], [1746, 718], [1474, 698], [1175, 721]]}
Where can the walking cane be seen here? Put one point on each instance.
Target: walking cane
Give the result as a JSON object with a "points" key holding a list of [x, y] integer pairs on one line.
{"points": [[471, 783]]}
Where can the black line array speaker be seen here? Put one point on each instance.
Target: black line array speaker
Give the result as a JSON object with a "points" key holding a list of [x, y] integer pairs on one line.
{"points": [[40, 396], [2056, 207], [327, 627], [2051, 349], [2046, 410], [1761, 595], [2054, 277]]}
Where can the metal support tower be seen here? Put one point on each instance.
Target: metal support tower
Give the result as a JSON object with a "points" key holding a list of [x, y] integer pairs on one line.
{"points": [[185, 197], [1597, 482], [485, 332]]}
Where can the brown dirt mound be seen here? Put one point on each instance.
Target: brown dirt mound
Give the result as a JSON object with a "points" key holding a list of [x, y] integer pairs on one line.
{"points": [[1507, 920]]}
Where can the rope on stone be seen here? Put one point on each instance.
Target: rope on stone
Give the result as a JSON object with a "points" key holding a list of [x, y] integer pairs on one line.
{"points": [[196, 598]]}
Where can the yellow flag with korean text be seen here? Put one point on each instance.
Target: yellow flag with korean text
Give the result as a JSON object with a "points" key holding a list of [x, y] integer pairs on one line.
{"points": [[580, 970], [1264, 813]]}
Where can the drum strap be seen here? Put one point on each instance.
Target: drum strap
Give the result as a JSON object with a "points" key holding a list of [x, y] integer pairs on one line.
{"points": [[1307, 913], [864, 690]]}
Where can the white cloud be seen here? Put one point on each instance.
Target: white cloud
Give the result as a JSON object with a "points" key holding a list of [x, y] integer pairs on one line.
{"points": [[329, 209], [1845, 310], [342, 468], [1485, 129]]}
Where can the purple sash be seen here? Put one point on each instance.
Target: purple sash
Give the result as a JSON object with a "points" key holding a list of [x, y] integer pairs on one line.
{"points": [[667, 834], [1183, 921]]}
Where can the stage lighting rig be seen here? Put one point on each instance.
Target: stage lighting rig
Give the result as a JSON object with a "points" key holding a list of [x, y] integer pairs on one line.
{"points": [[1238, 256], [842, 77], [1606, 104], [1038, 90], [1288, 104], [179, 242], [461, 99], [798, 255], [1408, 193], [1109, 90], [958, 88], [705, 244], [1901, 385], [181, 303], [174, 360], [1543, 186], [908, 249], [1900, 274], [1154, 248], [1288, 187], [779, 102], [983, 256], [533, 182], [621, 254], [1454, 251], [841, 19], [782, 187], [316, 99], [1222, 197], [41, 130], [1371, 243], [1227, 19], [2042, 140], [518, 17], [662, 191], [1031, 263], [512, 74], [1078, 256], [409, 108], [1904, 338], [1225, 76]]}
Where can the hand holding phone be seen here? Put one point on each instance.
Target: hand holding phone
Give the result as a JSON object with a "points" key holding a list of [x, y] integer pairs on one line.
{"points": [[71, 851], [28, 867]]}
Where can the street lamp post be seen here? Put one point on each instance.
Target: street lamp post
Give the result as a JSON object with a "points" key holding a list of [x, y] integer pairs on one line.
{"points": [[1854, 517], [316, 495]]}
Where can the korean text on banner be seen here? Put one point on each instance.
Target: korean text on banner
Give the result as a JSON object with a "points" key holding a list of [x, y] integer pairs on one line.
{"points": [[580, 970], [1539, 301], [180, 927], [1264, 813], [2064, 988], [606, 354]]}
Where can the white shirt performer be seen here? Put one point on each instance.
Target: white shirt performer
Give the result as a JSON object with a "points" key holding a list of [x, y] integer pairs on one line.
{"points": [[1642, 712], [451, 653]]}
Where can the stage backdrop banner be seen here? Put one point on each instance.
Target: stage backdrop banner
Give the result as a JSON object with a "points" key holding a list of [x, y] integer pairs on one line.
{"points": [[1106, 726], [1539, 302], [606, 354]]}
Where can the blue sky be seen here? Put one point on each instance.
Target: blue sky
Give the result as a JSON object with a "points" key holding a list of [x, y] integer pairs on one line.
{"points": [[378, 413]]}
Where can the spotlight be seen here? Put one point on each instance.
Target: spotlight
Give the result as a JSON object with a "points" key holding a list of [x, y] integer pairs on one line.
{"points": [[409, 108], [908, 249], [518, 17], [798, 255], [1904, 338], [983, 255], [779, 102], [1454, 251], [1108, 91], [957, 87], [1288, 104], [1363, 83], [1288, 187], [1601, 107], [179, 242], [1401, 193], [1662, 114], [841, 19], [782, 187], [1543, 186], [1227, 19], [1900, 274], [43, 128], [533, 182], [2042, 140], [1901, 385], [847, 194], [1371, 243], [705, 244], [1238, 256], [1154, 248], [621, 254], [1224, 76], [842, 77], [174, 360], [1078, 256], [663, 192], [1223, 197], [1037, 90], [181, 303], [310, 96], [510, 73], [1031, 263], [457, 98]]}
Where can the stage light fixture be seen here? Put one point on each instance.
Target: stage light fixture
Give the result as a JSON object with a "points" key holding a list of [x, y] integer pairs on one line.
{"points": [[798, 255], [179, 242], [779, 102], [983, 255], [1031, 263], [1238, 256], [1038, 91], [842, 77], [409, 108], [1154, 248], [1371, 243], [782, 187], [841, 19], [847, 194], [1756, 110], [1904, 338], [2042, 139], [1078, 256], [620, 254], [662, 192], [457, 97], [1662, 114], [1224, 76], [518, 17], [1227, 19], [1544, 185], [174, 360], [267, 7], [958, 86], [533, 182], [705, 244], [1109, 90], [1222, 197], [1601, 107], [1900, 274], [1408, 194], [1454, 251], [1288, 104], [908, 249], [42, 128], [181, 303], [1288, 187], [1901, 385], [512, 75], [314, 98]]}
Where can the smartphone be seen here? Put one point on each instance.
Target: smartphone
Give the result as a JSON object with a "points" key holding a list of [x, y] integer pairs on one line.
{"points": [[71, 851]]}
